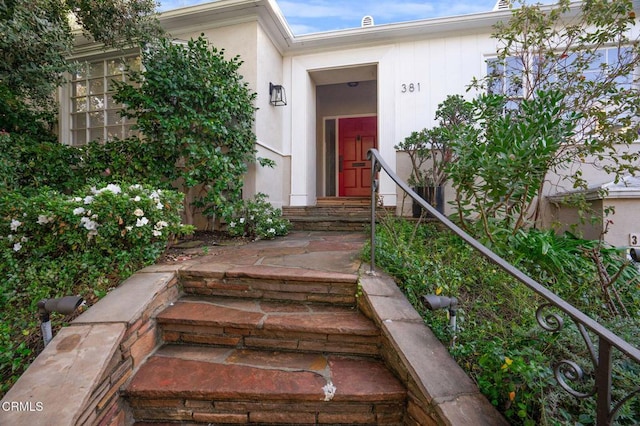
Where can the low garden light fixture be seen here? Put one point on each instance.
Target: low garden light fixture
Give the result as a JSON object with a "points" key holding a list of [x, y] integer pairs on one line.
{"points": [[64, 305], [277, 95], [433, 302]]}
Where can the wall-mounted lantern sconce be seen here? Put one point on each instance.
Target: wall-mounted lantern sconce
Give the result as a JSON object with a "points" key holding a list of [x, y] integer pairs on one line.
{"points": [[433, 302], [64, 305], [277, 95]]}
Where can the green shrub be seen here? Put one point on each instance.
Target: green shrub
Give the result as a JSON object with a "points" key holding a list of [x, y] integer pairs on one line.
{"points": [[28, 163], [499, 342], [53, 244], [256, 219]]}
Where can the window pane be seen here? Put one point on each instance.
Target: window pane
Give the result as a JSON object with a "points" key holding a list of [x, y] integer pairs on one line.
{"points": [[495, 72], [96, 134], [115, 67], [79, 88], [96, 69], [78, 104], [81, 72], [114, 132], [79, 137], [96, 119], [96, 86], [96, 103], [78, 121], [135, 63], [113, 117], [111, 103]]}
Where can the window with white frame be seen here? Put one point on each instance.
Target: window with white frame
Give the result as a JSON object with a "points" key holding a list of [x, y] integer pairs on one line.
{"points": [[508, 76], [95, 115]]}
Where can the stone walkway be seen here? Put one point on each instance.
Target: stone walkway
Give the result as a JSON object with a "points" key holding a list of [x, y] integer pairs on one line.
{"points": [[336, 252], [268, 288]]}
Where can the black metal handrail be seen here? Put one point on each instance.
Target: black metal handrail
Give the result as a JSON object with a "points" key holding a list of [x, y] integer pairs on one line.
{"points": [[601, 358]]}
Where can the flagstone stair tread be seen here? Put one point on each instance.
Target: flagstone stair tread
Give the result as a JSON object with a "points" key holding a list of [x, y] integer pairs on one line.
{"points": [[268, 315], [222, 374]]}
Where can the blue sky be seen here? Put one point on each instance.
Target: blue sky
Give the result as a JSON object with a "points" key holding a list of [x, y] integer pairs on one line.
{"points": [[310, 16]]}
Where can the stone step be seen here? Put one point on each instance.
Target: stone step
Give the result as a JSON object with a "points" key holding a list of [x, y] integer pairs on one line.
{"points": [[343, 217], [194, 385], [272, 283], [246, 323]]}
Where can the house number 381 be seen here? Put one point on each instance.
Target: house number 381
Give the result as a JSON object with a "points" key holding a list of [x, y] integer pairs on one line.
{"points": [[409, 87]]}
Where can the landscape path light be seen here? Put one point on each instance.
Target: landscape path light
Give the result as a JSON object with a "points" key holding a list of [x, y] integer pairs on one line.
{"points": [[64, 305], [434, 302]]}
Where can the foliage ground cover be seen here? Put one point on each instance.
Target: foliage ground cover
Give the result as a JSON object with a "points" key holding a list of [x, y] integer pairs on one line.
{"points": [[499, 342]]}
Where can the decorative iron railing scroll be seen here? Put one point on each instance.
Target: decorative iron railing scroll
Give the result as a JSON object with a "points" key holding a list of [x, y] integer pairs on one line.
{"points": [[565, 371]]}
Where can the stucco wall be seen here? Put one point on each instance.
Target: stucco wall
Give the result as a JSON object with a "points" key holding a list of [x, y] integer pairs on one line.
{"points": [[262, 64]]}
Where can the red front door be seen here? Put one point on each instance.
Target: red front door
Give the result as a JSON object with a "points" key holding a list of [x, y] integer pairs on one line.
{"points": [[356, 137]]}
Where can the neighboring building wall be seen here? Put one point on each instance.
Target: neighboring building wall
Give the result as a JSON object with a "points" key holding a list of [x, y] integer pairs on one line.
{"points": [[592, 172], [619, 225], [567, 218], [623, 222]]}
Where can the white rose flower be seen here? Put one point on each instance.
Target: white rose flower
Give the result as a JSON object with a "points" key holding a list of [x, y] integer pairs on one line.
{"points": [[142, 222], [138, 212], [89, 224], [43, 220], [78, 211], [15, 224], [113, 188], [17, 247]]}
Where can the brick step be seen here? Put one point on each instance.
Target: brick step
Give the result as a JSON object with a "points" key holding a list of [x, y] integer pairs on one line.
{"points": [[342, 211], [272, 283], [261, 324], [324, 223], [194, 385], [343, 201], [330, 217]]}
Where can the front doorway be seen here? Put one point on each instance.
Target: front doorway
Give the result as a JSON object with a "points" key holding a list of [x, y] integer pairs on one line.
{"points": [[355, 137]]}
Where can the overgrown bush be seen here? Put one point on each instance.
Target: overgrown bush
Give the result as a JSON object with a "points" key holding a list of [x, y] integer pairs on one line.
{"points": [[256, 218], [196, 114], [499, 342], [53, 245], [30, 162]]}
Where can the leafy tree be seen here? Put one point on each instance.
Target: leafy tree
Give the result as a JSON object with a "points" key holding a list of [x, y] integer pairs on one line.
{"points": [[503, 157], [36, 38], [196, 114], [429, 150], [589, 57]]}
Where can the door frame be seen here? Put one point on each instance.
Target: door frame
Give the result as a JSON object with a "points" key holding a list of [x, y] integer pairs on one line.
{"points": [[337, 147]]}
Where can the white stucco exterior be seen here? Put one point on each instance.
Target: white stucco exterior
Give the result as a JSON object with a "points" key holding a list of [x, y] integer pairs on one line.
{"points": [[403, 71]]}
